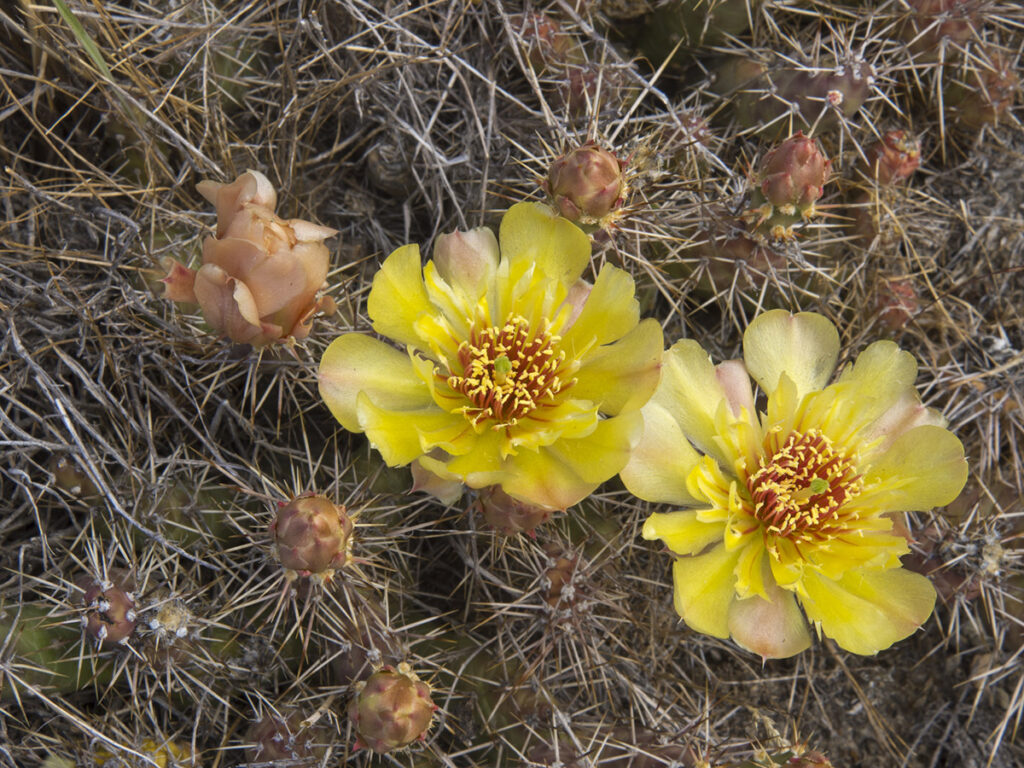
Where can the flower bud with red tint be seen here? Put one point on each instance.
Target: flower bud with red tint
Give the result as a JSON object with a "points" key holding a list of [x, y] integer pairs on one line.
{"points": [[391, 710], [313, 536], [110, 616], [893, 158], [587, 185]]}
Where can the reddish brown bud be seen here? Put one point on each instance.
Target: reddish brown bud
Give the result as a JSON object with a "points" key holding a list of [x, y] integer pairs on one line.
{"points": [[587, 185], [937, 22], [109, 610], [809, 759], [895, 301], [547, 43], [313, 535], [893, 158], [275, 738], [391, 709], [507, 515], [794, 173]]}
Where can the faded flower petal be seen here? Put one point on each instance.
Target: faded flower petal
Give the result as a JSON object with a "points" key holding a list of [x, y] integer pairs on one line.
{"points": [[260, 274], [467, 260], [179, 285], [772, 628]]}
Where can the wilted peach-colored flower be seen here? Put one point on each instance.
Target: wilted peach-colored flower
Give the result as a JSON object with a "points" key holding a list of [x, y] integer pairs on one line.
{"points": [[260, 273]]}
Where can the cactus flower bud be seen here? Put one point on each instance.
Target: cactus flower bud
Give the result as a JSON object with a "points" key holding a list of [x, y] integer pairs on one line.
{"points": [[313, 536], [794, 173], [547, 44], [587, 185], [109, 617], [391, 709], [260, 273], [791, 179], [507, 515], [896, 301], [893, 158], [275, 738]]}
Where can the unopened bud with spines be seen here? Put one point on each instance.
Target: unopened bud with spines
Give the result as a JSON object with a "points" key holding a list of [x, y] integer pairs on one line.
{"points": [[892, 159], [313, 536], [790, 181], [546, 42], [587, 185], [109, 617], [391, 710], [275, 738]]}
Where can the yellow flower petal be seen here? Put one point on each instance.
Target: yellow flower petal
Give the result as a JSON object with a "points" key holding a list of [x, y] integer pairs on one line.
{"points": [[691, 392], [923, 468], [610, 311], [398, 296], [867, 611], [535, 233], [879, 376], [355, 363], [568, 471], [704, 590], [623, 375], [661, 461], [805, 346], [682, 532], [399, 435], [752, 569], [773, 628]]}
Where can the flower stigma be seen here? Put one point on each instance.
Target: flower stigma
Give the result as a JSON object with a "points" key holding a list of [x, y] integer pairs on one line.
{"points": [[508, 372]]}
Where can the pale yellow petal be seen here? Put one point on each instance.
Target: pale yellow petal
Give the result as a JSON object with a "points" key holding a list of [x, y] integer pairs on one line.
{"points": [[623, 376], [568, 471], [398, 296], [682, 532], [610, 311], [467, 261], [880, 374], [399, 435], [692, 393], [922, 469], [356, 363], [704, 590], [773, 628], [534, 233], [661, 461], [867, 611], [805, 346]]}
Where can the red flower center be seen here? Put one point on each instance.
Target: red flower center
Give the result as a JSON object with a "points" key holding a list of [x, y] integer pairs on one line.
{"points": [[509, 372], [801, 486]]}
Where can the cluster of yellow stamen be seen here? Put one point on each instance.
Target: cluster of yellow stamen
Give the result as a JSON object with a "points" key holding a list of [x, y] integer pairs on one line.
{"points": [[801, 485], [508, 372]]}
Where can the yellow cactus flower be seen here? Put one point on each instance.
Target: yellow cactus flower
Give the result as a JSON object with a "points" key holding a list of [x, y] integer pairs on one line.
{"points": [[794, 506], [515, 373]]}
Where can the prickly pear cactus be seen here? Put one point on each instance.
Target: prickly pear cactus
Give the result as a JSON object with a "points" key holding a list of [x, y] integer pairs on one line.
{"points": [[203, 565]]}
